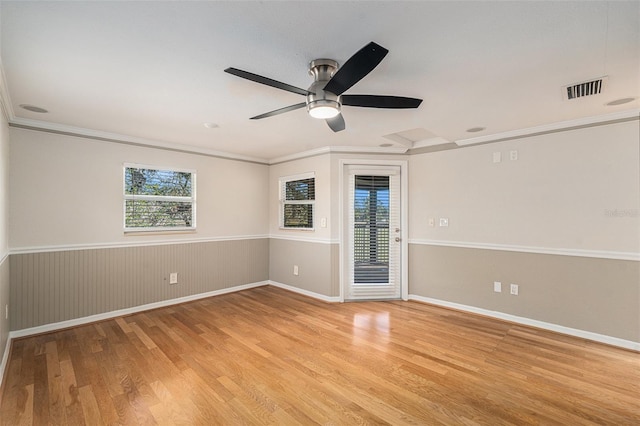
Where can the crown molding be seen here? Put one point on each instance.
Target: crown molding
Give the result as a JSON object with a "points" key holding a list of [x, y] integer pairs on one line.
{"points": [[559, 126], [5, 100], [63, 129], [375, 150]]}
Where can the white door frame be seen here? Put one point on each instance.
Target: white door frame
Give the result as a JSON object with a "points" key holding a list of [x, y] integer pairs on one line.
{"points": [[404, 219]]}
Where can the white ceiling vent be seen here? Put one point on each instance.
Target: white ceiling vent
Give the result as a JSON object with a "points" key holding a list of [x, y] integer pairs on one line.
{"points": [[586, 88]]}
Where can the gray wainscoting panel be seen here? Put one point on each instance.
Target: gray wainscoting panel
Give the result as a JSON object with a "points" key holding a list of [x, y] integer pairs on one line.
{"points": [[5, 325], [50, 287], [591, 294], [317, 265]]}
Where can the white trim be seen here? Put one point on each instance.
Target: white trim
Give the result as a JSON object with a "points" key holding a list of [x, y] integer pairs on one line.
{"points": [[600, 254], [299, 176], [42, 249], [552, 127], [47, 328], [5, 358], [404, 224], [282, 198], [71, 247], [126, 165], [329, 299], [5, 100], [304, 239], [137, 197], [601, 338]]}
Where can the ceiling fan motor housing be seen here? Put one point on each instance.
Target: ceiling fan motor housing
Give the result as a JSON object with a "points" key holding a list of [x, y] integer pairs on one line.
{"points": [[321, 104]]}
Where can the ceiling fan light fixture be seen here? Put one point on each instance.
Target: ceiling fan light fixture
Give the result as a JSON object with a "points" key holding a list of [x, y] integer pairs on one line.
{"points": [[323, 108]]}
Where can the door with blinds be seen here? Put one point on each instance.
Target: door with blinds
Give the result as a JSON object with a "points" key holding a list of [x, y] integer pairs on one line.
{"points": [[373, 234]]}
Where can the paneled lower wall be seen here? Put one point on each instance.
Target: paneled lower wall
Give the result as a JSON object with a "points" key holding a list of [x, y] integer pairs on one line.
{"points": [[318, 267], [591, 294], [4, 301], [50, 287]]}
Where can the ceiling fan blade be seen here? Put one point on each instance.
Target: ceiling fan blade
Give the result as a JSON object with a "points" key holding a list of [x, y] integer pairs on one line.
{"points": [[356, 67], [279, 111], [336, 123], [377, 101], [267, 81]]}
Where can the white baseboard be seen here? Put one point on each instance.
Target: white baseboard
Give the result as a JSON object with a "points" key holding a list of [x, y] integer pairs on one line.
{"points": [[330, 299], [601, 338], [47, 328], [614, 341]]}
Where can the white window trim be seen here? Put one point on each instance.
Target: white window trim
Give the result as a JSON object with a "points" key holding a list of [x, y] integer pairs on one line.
{"points": [[281, 185], [159, 230]]}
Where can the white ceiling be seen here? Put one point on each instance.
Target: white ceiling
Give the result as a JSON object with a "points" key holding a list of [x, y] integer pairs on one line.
{"points": [[154, 70]]}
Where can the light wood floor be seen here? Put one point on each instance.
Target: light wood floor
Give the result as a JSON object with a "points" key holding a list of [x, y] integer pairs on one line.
{"points": [[267, 356]]}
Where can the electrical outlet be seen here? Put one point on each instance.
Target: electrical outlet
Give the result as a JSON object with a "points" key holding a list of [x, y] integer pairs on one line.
{"points": [[513, 155], [295, 270], [444, 222], [173, 278], [514, 289], [432, 222], [497, 286]]}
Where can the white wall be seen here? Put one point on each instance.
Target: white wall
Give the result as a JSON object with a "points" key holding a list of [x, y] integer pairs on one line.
{"points": [[67, 191], [576, 190], [4, 185]]}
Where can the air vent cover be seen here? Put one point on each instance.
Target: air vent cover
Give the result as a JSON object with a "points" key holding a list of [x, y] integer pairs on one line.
{"points": [[587, 88]]}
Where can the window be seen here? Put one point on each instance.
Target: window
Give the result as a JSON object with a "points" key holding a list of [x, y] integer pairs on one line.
{"points": [[297, 198], [158, 199]]}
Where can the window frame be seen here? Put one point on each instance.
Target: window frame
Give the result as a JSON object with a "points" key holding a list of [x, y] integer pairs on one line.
{"points": [[158, 229], [282, 183]]}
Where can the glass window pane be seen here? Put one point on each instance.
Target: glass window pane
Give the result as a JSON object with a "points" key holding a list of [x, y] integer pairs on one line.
{"points": [[298, 216], [303, 189], [154, 214], [157, 182]]}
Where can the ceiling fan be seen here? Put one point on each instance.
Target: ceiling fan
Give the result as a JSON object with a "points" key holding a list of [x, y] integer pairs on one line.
{"points": [[325, 95]]}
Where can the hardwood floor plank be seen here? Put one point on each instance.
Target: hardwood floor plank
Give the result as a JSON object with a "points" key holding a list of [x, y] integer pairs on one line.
{"points": [[269, 356], [90, 409]]}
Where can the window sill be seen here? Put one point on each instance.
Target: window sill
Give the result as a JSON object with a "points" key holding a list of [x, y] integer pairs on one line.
{"points": [[135, 232]]}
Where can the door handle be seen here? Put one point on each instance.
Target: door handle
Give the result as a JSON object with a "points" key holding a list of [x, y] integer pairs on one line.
{"points": [[398, 239]]}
